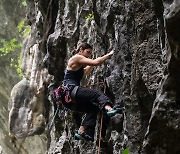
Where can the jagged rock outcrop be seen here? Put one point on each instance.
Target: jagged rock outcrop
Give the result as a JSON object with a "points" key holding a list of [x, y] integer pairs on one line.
{"points": [[164, 125], [142, 76]]}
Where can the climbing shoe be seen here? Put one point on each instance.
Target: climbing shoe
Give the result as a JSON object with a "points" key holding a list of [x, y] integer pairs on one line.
{"points": [[83, 136], [112, 113]]}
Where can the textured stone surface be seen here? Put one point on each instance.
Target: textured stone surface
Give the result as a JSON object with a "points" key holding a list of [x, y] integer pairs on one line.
{"points": [[164, 125], [142, 76]]}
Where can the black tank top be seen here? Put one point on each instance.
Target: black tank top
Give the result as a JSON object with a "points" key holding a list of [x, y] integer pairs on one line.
{"points": [[73, 77]]}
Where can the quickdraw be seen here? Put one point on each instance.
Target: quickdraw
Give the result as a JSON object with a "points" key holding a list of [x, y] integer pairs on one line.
{"points": [[67, 97]]}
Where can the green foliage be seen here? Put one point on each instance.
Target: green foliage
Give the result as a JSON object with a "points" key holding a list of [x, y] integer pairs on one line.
{"points": [[9, 46], [24, 3], [23, 29], [12, 45], [90, 17], [17, 65], [18, 68], [27, 30], [126, 151], [20, 26]]}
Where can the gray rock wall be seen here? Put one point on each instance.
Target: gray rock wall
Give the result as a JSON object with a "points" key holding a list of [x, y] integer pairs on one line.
{"points": [[142, 75], [164, 125]]}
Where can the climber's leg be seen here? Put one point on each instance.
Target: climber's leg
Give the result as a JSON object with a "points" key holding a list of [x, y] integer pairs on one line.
{"points": [[85, 96], [86, 130]]}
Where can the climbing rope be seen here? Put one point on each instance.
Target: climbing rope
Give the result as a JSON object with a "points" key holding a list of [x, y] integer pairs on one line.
{"points": [[52, 122], [100, 132]]}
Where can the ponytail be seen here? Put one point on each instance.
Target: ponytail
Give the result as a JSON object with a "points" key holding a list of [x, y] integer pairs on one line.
{"points": [[75, 51]]}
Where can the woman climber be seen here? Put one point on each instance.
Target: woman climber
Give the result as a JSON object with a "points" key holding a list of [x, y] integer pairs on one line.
{"points": [[89, 101]]}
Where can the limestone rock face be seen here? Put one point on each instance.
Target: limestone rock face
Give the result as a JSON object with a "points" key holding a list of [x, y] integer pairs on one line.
{"points": [[164, 125], [23, 106], [142, 76]]}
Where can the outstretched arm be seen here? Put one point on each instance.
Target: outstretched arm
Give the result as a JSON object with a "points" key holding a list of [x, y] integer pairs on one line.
{"points": [[94, 62]]}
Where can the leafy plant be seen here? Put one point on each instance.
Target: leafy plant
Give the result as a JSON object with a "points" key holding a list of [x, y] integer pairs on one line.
{"points": [[18, 68], [24, 3], [12, 45], [9, 46], [20, 26], [23, 29], [126, 151], [90, 17], [17, 65]]}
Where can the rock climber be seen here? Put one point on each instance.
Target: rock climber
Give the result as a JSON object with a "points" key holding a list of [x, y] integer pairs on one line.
{"points": [[89, 101]]}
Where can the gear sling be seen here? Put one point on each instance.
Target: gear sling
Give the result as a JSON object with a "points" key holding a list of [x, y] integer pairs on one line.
{"points": [[63, 94]]}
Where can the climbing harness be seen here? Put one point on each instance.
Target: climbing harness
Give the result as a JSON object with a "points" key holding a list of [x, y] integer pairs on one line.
{"points": [[63, 94]]}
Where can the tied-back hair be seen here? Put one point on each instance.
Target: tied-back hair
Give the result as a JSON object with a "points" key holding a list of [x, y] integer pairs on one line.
{"points": [[83, 46]]}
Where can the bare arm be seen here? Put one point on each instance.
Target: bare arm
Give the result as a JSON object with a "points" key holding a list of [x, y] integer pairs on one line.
{"points": [[94, 62]]}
